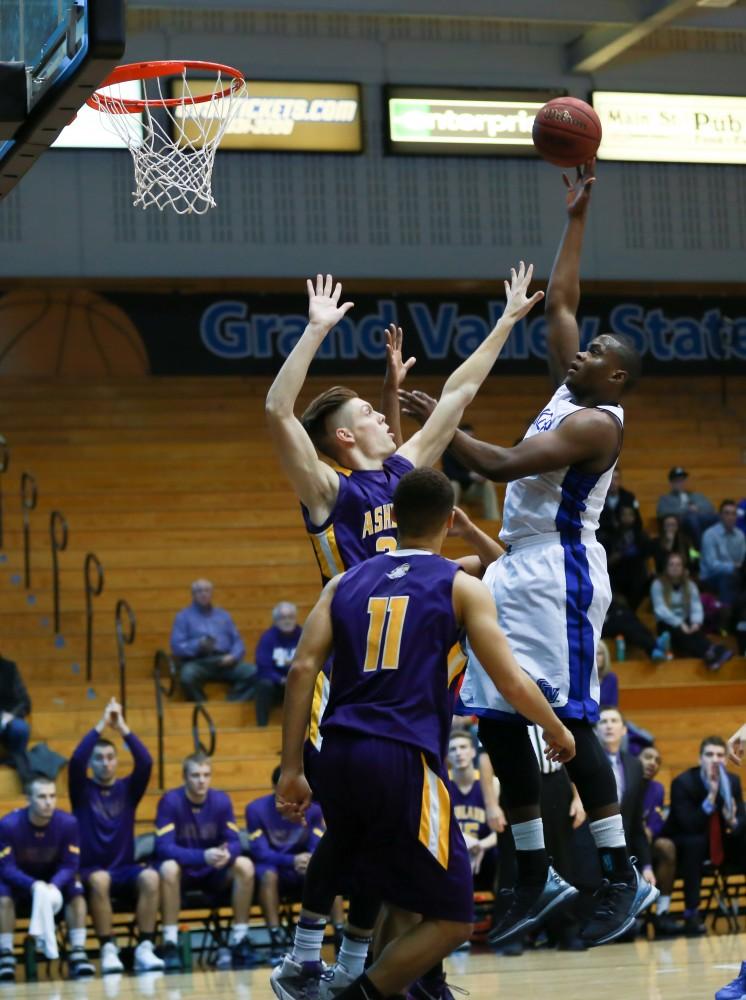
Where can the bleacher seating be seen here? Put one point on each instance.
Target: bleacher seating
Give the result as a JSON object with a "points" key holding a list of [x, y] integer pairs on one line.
{"points": [[170, 479]]}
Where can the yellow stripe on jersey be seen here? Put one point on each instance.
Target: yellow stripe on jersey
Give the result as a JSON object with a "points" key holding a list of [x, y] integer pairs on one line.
{"points": [[5, 852], [232, 826], [164, 830], [456, 663], [327, 553], [318, 706], [341, 469], [435, 815], [73, 849], [317, 832], [255, 834]]}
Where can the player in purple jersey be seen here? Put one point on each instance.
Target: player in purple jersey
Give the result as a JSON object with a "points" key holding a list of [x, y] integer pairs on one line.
{"points": [[391, 623], [552, 592], [470, 811], [281, 850], [40, 848], [105, 808], [198, 847]]}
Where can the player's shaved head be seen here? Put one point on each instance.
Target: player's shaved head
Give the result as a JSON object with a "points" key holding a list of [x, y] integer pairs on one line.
{"points": [[423, 502], [317, 417], [628, 355]]}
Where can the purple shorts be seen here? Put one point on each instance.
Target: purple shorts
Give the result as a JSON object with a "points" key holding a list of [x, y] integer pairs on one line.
{"points": [[69, 892], [390, 817], [124, 878], [212, 881], [290, 882]]}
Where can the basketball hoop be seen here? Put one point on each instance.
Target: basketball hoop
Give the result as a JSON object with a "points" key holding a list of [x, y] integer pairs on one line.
{"points": [[172, 137]]}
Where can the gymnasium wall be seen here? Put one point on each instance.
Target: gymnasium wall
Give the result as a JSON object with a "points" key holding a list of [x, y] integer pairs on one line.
{"points": [[379, 216]]}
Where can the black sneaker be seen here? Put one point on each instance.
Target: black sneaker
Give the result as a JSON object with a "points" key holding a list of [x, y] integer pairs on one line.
{"points": [[79, 964], [667, 926], [171, 957], [693, 926], [242, 954], [530, 906], [617, 906], [7, 966]]}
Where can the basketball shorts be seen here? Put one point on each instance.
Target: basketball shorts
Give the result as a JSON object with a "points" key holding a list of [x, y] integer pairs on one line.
{"points": [[69, 892], [552, 598], [390, 817], [123, 878], [290, 881]]}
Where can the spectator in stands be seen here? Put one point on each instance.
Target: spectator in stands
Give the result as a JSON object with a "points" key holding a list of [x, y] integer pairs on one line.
{"points": [[662, 848], [611, 730], [470, 486], [724, 556], [620, 620], [616, 498], [694, 509], [608, 680], [470, 811], [627, 549], [206, 641], [39, 852], [678, 610], [15, 705], [274, 654], [672, 538], [198, 847], [706, 822], [281, 850], [105, 807]]}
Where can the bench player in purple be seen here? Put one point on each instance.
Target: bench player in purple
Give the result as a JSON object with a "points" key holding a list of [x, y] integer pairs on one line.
{"points": [[105, 808], [390, 624], [40, 847], [198, 847]]}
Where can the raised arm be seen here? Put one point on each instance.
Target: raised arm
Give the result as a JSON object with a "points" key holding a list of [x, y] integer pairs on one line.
{"points": [[563, 290], [396, 372], [429, 443], [475, 609], [486, 550], [314, 482]]}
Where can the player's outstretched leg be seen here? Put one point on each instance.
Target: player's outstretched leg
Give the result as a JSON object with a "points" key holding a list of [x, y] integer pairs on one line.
{"points": [[624, 893], [539, 890]]}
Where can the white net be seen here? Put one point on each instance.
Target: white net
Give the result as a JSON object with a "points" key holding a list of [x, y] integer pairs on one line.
{"points": [[173, 147]]}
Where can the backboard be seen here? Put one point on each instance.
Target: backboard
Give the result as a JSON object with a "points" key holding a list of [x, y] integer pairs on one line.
{"points": [[53, 55]]}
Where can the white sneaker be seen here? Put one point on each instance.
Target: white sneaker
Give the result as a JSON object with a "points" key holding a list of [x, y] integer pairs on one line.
{"points": [[146, 959], [110, 959], [334, 980]]}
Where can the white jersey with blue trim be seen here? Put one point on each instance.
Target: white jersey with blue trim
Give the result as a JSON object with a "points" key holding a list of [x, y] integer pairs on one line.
{"points": [[540, 504]]}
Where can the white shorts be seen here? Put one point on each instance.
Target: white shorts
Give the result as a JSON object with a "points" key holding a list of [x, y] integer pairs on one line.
{"points": [[552, 598]]}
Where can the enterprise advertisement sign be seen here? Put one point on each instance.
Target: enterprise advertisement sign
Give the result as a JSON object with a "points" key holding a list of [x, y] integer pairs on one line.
{"points": [[671, 128], [462, 121], [284, 116]]}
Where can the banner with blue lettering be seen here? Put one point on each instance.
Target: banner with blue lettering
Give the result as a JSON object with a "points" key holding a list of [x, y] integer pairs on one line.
{"points": [[246, 333]]}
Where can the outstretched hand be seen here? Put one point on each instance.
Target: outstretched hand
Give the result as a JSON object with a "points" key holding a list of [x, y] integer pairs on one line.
{"points": [[736, 746], [324, 310], [396, 367], [518, 303], [417, 405], [461, 524], [578, 194]]}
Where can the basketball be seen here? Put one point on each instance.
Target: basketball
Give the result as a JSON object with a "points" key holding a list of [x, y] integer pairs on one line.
{"points": [[567, 132]]}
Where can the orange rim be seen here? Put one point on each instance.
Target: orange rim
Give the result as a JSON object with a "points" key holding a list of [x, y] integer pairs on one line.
{"points": [[151, 70]]}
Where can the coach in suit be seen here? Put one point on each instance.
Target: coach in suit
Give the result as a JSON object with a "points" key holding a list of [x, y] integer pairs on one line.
{"points": [[707, 821]]}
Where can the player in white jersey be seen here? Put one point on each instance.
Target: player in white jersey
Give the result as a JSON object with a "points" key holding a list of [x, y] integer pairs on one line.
{"points": [[552, 593]]}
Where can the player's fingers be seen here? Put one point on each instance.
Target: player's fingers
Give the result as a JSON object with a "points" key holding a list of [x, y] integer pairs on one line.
{"points": [[529, 274], [566, 179], [337, 292], [328, 285], [507, 289], [319, 284], [409, 363], [345, 308]]}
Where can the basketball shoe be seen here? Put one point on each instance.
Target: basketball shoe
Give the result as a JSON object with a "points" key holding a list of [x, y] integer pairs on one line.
{"points": [[530, 906], [617, 906], [735, 990], [296, 980]]}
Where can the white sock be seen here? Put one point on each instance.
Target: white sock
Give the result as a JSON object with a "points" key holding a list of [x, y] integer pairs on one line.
{"points": [[663, 905], [239, 932], [607, 832], [170, 933], [528, 836], [353, 953], [6, 941], [77, 937], [309, 936]]}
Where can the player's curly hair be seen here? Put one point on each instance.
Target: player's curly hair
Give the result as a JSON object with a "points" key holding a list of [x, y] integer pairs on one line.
{"points": [[315, 416], [423, 501]]}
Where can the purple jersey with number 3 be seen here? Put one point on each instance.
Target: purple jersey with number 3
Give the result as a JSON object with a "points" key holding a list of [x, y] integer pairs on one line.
{"points": [[362, 522], [394, 628]]}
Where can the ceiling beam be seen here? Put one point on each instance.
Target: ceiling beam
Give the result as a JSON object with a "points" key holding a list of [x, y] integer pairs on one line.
{"points": [[600, 45]]}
